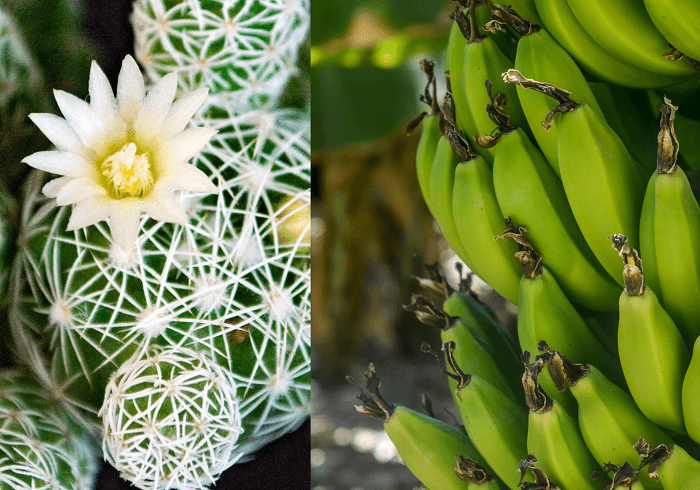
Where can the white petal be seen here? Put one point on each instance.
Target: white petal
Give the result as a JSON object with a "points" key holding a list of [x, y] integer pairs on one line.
{"points": [[156, 106], [84, 121], [186, 145], [101, 96], [130, 89], [124, 221], [58, 162], [182, 111], [187, 177], [52, 187], [77, 190], [59, 132], [161, 205], [88, 212]]}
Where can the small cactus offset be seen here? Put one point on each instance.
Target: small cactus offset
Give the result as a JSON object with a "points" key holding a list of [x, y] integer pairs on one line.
{"points": [[170, 419]]}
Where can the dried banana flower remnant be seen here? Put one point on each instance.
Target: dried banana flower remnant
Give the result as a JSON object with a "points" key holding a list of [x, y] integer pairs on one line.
{"points": [[123, 156]]}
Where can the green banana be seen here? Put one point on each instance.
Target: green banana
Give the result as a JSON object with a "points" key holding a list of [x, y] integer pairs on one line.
{"points": [[431, 133], [454, 64], [553, 435], [473, 352], [441, 184], [542, 311], [605, 193], [477, 315], [529, 192], [609, 420], [496, 425], [691, 395], [669, 232], [477, 220], [475, 355], [670, 464], [677, 21], [526, 8], [623, 476], [653, 354], [427, 445], [624, 29], [562, 24], [469, 471], [541, 57], [461, 304], [542, 481], [629, 115], [484, 61]]}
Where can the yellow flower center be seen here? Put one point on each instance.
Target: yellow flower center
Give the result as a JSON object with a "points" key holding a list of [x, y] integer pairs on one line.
{"points": [[129, 174]]}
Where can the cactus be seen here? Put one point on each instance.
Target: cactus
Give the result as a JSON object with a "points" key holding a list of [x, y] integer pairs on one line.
{"points": [[40, 445], [244, 51], [164, 305]]}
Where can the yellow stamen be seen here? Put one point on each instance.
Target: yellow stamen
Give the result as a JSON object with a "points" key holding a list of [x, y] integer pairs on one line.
{"points": [[129, 174]]}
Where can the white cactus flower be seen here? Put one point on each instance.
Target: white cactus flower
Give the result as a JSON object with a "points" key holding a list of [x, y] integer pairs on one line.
{"points": [[120, 157]]}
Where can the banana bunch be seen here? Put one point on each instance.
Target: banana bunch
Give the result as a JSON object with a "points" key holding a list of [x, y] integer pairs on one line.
{"points": [[558, 121]]}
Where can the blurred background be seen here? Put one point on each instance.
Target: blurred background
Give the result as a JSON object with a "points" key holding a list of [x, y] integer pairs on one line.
{"points": [[368, 221]]}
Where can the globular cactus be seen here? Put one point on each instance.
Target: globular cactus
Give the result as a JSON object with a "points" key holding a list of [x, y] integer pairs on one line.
{"points": [[170, 419]]}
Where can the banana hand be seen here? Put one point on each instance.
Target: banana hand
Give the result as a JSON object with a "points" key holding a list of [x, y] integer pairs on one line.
{"points": [[427, 445]]}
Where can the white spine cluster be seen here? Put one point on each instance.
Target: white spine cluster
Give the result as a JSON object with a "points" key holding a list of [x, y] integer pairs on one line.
{"points": [[243, 50], [170, 419]]}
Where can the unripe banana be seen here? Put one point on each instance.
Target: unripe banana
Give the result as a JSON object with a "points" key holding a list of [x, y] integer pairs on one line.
{"points": [[543, 310], [541, 57], [442, 178], [504, 348], [457, 43], [527, 9], [669, 464], [475, 355], [602, 181], [430, 134], [478, 219], [563, 25], [553, 435], [623, 477], [625, 30], [484, 62], [427, 445], [691, 395], [481, 318], [454, 63], [678, 22], [652, 351], [609, 420], [529, 192], [496, 425], [670, 234], [628, 113], [469, 471]]}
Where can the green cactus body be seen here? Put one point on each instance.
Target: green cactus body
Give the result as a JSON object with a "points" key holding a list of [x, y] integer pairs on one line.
{"points": [[233, 283], [244, 51], [41, 447]]}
